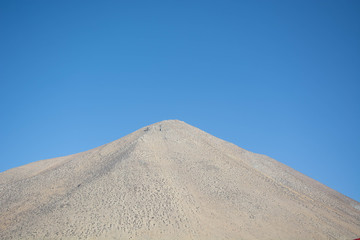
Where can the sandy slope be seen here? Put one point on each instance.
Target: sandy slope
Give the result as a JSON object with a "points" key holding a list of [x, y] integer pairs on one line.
{"points": [[170, 181]]}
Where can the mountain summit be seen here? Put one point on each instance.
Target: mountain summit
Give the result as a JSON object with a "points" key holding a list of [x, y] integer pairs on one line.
{"points": [[170, 180]]}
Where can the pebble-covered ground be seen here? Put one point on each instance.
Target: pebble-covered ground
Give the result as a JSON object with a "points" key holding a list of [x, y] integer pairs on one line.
{"points": [[170, 181]]}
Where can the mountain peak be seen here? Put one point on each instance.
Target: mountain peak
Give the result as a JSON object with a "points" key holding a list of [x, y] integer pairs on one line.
{"points": [[169, 126], [170, 123], [170, 180]]}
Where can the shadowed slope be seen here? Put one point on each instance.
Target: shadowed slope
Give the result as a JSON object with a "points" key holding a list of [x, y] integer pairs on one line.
{"points": [[170, 181]]}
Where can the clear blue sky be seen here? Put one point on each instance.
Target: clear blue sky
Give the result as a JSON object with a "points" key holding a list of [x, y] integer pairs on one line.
{"points": [[280, 78]]}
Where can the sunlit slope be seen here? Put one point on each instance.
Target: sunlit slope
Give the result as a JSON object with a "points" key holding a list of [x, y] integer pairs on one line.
{"points": [[170, 181]]}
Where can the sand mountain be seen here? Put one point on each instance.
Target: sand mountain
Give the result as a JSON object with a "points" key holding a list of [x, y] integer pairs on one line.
{"points": [[170, 181]]}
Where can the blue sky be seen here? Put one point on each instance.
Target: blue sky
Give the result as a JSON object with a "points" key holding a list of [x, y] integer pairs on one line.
{"points": [[280, 78]]}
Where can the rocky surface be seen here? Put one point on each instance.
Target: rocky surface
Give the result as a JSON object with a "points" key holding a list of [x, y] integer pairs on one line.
{"points": [[170, 181]]}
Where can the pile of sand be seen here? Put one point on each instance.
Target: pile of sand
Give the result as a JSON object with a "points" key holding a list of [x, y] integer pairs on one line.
{"points": [[170, 181]]}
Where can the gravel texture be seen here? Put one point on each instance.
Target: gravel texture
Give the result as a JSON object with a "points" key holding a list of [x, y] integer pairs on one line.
{"points": [[170, 180]]}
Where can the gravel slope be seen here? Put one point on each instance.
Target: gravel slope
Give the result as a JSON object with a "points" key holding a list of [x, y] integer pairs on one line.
{"points": [[170, 181]]}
